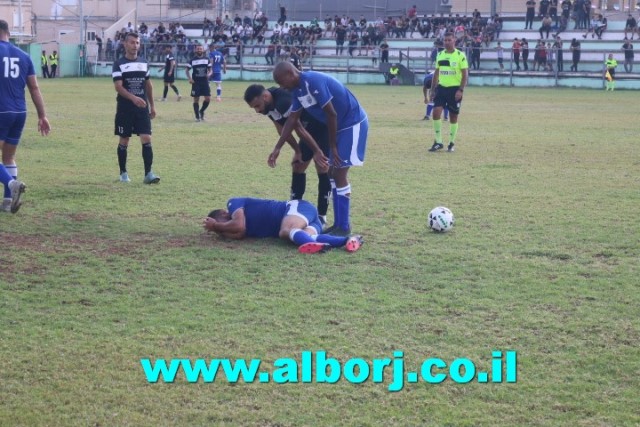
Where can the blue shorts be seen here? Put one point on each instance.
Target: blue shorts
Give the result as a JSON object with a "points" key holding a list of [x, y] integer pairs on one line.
{"points": [[352, 143], [11, 126], [216, 77], [306, 211]]}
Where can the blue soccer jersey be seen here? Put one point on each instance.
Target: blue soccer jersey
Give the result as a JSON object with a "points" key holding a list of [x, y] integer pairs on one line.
{"points": [[428, 78], [15, 67], [262, 217], [316, 90], [217, 59]]}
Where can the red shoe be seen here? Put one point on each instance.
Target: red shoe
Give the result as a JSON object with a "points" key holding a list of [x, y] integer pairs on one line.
{"points": [[353, 243], [314, 248]]}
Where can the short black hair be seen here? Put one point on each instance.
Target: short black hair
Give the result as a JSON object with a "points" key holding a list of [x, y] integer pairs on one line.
{"points": [[218, 214], [252, 92], [4, 25], [132, 34]]}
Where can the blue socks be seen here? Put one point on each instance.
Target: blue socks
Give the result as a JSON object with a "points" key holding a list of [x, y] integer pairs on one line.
{"points": [[342, 207], [334, 241], [7, 174], [300, 237]]}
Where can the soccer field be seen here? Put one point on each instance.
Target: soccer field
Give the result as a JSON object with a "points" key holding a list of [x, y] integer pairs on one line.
{"points": [[543, 261]]}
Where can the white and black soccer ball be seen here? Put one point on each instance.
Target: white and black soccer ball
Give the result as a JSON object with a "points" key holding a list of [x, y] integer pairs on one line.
{"points": [[440, 219]]}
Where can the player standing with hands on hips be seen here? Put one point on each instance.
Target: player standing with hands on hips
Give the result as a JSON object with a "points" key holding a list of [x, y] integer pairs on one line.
{"points": [[135, 107], [16, 72], [447, 87]]}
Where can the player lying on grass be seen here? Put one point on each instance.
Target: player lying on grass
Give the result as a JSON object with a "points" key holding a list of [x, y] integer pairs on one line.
{"points": [[295, 220]]}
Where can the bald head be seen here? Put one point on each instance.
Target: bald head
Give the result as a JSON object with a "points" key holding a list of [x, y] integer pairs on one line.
{"points": [[286, 75]]}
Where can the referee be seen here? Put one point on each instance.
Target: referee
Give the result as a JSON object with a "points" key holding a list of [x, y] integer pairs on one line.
{"points": [[447, 87]]}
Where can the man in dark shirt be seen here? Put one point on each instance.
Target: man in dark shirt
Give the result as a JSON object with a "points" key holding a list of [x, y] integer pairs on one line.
{"points": [[135, 107], [200, 65], [275, 103]]}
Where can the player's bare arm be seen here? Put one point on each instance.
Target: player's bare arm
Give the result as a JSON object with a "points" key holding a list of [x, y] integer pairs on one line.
{"points": [[235, 228], [43, 123], [297, 154], [463, 84], [149, 90]]}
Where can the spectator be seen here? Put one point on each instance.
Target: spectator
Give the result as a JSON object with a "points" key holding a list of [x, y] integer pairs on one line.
{"points": [[412, 12], [627, 47], [601, 27], [109, 50], [500, 55], [544, 8], [207, 28], [525, 54], [553, 11], [99, 43], [562, 25], [550, 57], [271, 52], [557, 46], [575, 54], [515, 49], [546, 26], [341, 34], [630, 26], [531, 11], [540, 56], [476, 46], [595, 22], [384, 51]]}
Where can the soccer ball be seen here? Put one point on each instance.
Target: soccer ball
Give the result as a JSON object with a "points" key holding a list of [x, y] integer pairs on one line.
{"points": [[440, 219]]}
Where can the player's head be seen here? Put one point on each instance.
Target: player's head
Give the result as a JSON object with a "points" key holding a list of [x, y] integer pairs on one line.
{"points": [[449, 42], [199, 50], [286, 75], [4, 28], [167, 48], [132, 44], [258, 98], [221, 215]]}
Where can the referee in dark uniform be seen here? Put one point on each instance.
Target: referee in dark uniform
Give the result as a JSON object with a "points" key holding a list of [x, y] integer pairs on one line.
{"points": [[135, 107], [200, 66]]}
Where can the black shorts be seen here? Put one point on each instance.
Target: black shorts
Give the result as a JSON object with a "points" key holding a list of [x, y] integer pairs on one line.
{"points": [[200, 89], [169, 79], [446, 97], [322, 139], [130, 120]]}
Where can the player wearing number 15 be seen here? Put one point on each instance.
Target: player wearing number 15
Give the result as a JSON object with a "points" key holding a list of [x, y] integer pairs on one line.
{"points": [[16, 72], [450, 79], [135, 107]]}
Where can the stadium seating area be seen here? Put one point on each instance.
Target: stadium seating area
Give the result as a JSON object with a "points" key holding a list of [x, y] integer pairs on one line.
{"points": [[414, 52]]}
